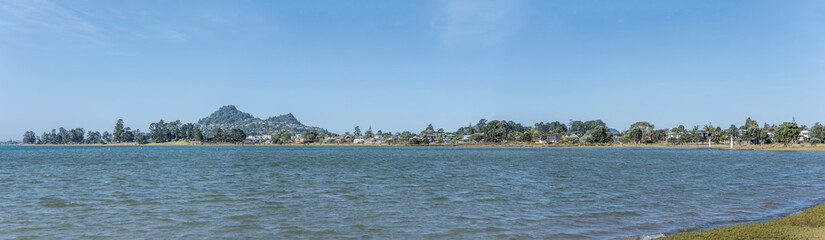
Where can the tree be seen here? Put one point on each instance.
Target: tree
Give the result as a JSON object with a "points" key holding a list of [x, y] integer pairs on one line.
{"points": [[646, 128], [429, 129], [405, 136], [93, 137], [285, 137], [751, 123], [127, 135], [600, 134], [685, 138], [197, 135], [480, 125], [63, 136], [29, 137], [818, 131], [220, 135], [495, 131], [658, 135], [141, 138], [634, 135], [118, 130], [367, 134], [557, 127], [680, 129], [106, 136], [310, 136], [357, 131], [815, 141], [787, 133], [526, 137], [77, 135], [237, 135], [580, 128]]}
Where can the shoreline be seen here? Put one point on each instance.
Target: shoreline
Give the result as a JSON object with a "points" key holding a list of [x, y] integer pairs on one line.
{"points": [[808, 223], [768, 147]]}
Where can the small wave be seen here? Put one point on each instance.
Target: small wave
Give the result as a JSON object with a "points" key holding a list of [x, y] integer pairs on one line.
{"points": [[242, 217], [53, 202], [644, 237]]}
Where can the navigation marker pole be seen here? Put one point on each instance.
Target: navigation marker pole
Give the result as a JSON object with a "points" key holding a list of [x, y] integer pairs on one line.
{"points": [[709, 142], [731, 141]]}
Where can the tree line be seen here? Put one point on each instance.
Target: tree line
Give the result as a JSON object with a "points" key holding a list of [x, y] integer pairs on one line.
{"points": [[159, 132], [495, 131]]}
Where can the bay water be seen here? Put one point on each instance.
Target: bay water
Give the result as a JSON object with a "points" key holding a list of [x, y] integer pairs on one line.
{"points": [[382, 192]]}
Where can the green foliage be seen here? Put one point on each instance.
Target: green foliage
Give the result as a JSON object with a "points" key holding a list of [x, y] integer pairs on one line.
{"points": [[310, 136], [526, 137], [818, 131], [368, 133], [658, 135], [477, 137], [634, 135], [29, 137], [685, 138], [285, 137], [220, 135], [787, 133], [645, 127], [551, 127], [751, 123], [237, 135], [428, 130], [468, 130], [581, 128], [118, 130], [495, 131], [418, 141], [600, 134], [815, 141], [106, 136]]}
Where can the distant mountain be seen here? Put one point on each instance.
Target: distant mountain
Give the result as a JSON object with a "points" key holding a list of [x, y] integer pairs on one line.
{"points": [[229, 117]]}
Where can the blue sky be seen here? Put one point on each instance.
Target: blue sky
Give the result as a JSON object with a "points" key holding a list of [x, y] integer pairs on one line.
{"points": [[399, 65]]}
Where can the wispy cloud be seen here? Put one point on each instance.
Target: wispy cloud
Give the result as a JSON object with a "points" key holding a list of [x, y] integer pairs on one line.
{"points": [[484, 21], [171, 34], [43, 15]]}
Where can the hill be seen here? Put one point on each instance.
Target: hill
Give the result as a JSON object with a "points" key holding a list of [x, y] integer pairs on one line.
{"points": [[229, 117]]}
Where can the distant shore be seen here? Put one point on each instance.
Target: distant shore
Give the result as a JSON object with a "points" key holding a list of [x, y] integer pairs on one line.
{"points": [[764, 147]]}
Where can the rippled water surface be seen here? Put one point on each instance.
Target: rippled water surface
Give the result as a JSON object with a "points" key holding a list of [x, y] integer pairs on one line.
{"points": [[163, 192]]}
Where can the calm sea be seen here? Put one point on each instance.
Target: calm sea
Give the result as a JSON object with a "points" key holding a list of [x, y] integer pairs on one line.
{"points": [[162, 192]]}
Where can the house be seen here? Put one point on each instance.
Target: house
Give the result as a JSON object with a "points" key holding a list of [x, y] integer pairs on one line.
{"points": [[804, 135], [258, 138], [375, 141], [671, 134], [465, 138], [253, 139], [551, 138], [358, 140], [449, 137]]}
